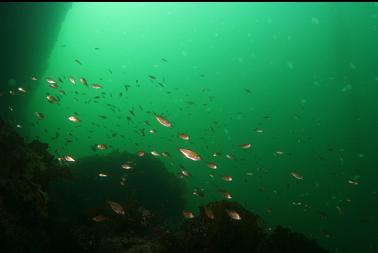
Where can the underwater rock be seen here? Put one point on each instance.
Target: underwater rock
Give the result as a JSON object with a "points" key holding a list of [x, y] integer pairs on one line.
{"points": [[282, 240], [222, 234], [25, 172], [145, 246], [133, 245], [26, 169], [150, 195], [37, 23]]}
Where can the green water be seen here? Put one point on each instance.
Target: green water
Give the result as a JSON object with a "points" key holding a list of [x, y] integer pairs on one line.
{"points": [[305, 74]]}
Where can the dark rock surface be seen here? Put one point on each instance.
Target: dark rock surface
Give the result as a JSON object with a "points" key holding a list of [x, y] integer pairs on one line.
{"points": [[28, 34], [34, 219]]}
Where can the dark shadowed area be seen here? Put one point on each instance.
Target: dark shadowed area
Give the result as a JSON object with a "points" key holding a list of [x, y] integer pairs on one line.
{"points": [[28, 35], [147, 184]]}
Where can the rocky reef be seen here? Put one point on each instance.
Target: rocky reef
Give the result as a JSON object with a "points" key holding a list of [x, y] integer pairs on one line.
{"points": [[223, 234], [25, 172], [35, 217], [220, 234]]}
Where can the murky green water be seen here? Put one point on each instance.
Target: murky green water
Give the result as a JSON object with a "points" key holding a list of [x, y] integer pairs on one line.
{"points": [[297, 81]]}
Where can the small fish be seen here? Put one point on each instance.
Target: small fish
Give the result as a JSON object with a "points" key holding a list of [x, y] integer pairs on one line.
{"points": [[97, 86], [341, 212], [164, 60], [215, 154], [279, 152], [297, 203], [353, 182], [52, 99], [84, 81], [185, 173], [152, 77], [101, 146], [199, 192], [77, 61], [72, 80], [245, 146], [227, 195], [123, 180], [54, 86], [184, 136], [188, 214], [297, 175], [20, 89], [126, 166], [259, 130], [233, 214], [165, 154], [248, 91], [34, 78], [74, 119], [163, 121], [231, 157], [39, 115], [152, 131], [116, 207], [99, 218], [102, 175], [212, 166], [209, 213], [50, 80], [141, 153], [155, 153], [227, 178], [190, 154], [69, 158]]}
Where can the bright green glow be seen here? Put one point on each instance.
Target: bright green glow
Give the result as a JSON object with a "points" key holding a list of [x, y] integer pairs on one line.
{"points": [[297, 59]]}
